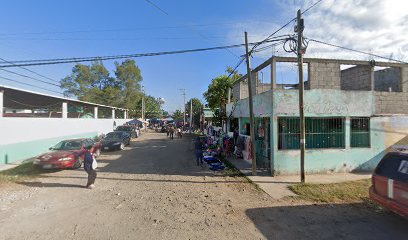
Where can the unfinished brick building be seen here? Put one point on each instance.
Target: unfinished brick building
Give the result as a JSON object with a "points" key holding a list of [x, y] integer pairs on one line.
{"points": [[355, 111]]}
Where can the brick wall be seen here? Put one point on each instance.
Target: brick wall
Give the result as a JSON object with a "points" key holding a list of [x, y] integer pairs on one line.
{"points": [[356, 78], [324, 75], [388, 78], [391, 102]]}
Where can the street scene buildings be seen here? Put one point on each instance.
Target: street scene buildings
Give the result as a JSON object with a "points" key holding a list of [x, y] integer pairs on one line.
{"points": [[204, 120]]}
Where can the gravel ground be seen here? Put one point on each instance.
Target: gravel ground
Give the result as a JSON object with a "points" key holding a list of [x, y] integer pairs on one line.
{"points": [[154, 190]]}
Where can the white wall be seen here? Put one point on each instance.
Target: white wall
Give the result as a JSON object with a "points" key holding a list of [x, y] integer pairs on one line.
{"points": [[16, 130]]}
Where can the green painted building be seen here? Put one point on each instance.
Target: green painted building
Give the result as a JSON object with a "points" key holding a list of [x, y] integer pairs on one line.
{"points": [[355, 111]]}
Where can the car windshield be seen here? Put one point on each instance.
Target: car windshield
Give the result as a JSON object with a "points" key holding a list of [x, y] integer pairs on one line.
{"points": [[68, 145], [114, 135], [123, 128]]}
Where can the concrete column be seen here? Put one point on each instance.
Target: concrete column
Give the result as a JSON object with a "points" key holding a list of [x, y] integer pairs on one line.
{"points": [[64, 110], [372, 78], [273, 74], [347, 125], [1, 103], [113, 113], [96, 112]]}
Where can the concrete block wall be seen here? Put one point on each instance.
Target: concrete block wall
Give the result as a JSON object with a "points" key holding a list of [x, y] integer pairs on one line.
{"points": [[356, 78], [391, 102], [324, 75], [386, 79], [404, 79]]}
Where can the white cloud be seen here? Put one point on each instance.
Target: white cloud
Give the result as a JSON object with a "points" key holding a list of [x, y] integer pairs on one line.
{"points": [[376, 26]]}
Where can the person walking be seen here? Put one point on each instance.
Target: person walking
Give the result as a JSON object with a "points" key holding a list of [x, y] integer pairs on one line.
{"points": [[89, 167], [172, 132], [199, 151]]}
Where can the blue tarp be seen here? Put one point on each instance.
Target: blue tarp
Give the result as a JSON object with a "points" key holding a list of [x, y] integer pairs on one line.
{"points": [[135, 121]]}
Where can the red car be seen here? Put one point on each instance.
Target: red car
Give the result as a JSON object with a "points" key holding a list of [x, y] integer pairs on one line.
{"points": [[390, 183], [67, 154]]}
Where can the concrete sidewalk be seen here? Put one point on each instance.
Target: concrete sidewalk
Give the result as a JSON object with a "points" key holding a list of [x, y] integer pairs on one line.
{"points": [[277, 187]]}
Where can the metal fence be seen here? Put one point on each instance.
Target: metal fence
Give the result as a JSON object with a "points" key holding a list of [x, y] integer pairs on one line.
{"points": [[360, 132], [320, 133]]}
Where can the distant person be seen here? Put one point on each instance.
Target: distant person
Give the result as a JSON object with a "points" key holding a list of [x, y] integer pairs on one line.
{"points": [[88, 166], [199, 151], [172, 132], [236, 135], [180, 135]]}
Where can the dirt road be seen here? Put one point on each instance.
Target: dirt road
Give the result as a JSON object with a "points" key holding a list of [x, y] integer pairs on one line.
{"points": [[154, 190]]}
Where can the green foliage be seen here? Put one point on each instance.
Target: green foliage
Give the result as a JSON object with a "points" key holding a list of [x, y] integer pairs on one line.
{"points": [[153, 107], [94, 84], [217, 92], [178, 115], [197, 109]]}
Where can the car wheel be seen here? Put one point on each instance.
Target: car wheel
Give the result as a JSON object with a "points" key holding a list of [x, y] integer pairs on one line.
{"points": [[77, 164], [122, 146], [98, 152]]}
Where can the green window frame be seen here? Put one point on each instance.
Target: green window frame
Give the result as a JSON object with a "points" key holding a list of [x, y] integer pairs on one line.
{"points": [[360, 132], [321, 133]]}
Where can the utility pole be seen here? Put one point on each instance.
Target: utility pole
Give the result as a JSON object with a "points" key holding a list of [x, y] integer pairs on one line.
{"points": [[184, 94], [251, 106], [191, 114], [300, 51], [143, 104]]}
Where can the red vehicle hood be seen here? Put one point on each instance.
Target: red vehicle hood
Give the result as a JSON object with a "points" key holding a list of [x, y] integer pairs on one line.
{"points": [[55, 155]]}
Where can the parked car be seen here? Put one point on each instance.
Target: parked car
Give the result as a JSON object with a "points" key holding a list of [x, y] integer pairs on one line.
{"points": [[67, 154], [134, 132], [116, 140], [390, 183]]}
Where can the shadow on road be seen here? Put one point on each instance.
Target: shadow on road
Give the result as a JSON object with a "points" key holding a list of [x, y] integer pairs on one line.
{"points": [[50, 185], [339, 221]]}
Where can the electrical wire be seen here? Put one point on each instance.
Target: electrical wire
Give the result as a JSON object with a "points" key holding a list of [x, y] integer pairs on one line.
{"points": [[285, 25], [23, 83], [198, 33], [25, 63], [354, 50], [33, 106], [116, 30], [22, 75], [29, 70]]}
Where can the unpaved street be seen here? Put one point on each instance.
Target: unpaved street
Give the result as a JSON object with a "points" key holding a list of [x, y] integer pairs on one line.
{"points": [[154, 190]]}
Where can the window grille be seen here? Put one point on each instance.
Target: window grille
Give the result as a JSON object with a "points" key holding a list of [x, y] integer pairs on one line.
{"points": [[319, 133], [360, 132]]}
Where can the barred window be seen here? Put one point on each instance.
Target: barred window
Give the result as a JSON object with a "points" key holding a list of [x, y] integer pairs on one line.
{"points": [[320, 133], [360, 132]]}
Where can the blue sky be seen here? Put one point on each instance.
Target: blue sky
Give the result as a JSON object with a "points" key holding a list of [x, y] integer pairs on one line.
{"points": [[95, 28]]}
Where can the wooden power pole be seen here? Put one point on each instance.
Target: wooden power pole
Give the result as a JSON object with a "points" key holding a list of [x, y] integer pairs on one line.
{"points": [[300, 51], [191, 114], [251, 106]]}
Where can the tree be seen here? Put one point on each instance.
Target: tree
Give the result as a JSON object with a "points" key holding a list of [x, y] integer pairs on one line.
{"points": [[153, 107], [93, 83], [217, 93], [197, 109], [178, 115], [128, 78]]}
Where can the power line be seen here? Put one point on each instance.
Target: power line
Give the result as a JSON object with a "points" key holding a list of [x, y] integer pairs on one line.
{"points": [[285, 25], [36, 79], [24, 63], [156, 6], [117, 30], [198, 33], [31, 71], [354, 50], [12, 80]]}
